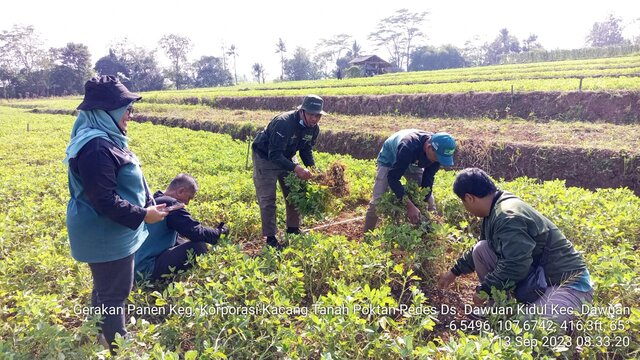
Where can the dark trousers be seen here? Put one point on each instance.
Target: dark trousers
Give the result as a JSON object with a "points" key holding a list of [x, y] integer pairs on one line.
{"points": [[112, 283], [265, 176], [176, 257]]}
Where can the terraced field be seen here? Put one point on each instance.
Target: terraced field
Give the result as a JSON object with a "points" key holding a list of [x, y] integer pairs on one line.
{"points": [[614, 73], [604, 90], [586, 154]]}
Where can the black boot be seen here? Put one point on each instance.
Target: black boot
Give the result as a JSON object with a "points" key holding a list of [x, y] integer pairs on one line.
{"points": [[273, 242], [293, 230]]}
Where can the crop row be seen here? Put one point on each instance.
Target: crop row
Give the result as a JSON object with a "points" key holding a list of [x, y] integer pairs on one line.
{"points": [[433, 77], [618, 107], [614, 67], [526, 85], [590, 64]]}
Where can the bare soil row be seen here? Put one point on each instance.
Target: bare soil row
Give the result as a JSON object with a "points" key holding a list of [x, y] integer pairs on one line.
{"points": [[620, 107]]}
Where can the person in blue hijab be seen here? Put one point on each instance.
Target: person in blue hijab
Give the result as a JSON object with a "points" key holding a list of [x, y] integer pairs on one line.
{"points": [[110, 201]]}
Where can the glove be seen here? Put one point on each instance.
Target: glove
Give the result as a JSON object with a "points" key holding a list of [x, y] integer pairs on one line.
{"points": [[224, 229]]}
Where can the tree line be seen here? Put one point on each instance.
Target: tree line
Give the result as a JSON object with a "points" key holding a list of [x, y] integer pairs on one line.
{"points": [[28, 69]]}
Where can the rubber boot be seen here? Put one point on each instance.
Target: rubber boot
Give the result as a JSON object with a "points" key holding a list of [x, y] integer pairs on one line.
{"points": [[273, 242], [370, 222], [293, 230], [103, 341]]}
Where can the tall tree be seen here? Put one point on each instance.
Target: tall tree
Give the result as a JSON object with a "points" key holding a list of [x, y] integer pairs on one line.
{"points": [[503, 44], [322, 61], [64, 81], [397, 33], [209, 72], [531, 43], [22, 48], [143, 72], [111, 65], [176, 48], [24, 61], [330, 50], [281, 49], [300, 67], [342, 63], [430, 58], [77, 57], [5, 82], [234, 53], [224, 55], [474, 52], [354, 51], [73, 68], [33, 84], [258, 72], [606, 33]]}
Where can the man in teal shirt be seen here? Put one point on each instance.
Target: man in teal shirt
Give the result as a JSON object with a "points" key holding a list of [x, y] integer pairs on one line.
{"points": [[415, 154]]}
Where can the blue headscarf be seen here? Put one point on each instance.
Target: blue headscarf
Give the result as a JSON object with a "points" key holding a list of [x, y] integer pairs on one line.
{"points": [[92, 124]]}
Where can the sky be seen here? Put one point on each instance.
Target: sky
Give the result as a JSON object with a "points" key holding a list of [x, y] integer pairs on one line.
{"points": [[255, 26]]}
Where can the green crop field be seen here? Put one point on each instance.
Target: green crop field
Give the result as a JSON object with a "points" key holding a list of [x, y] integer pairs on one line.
{"points": [[560, 69], [294, 295], [599, 74], [520, 85], [536, 91]]}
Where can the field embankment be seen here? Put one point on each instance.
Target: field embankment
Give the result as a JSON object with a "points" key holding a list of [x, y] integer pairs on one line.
{"points": [[615, 107], [589, 155]]}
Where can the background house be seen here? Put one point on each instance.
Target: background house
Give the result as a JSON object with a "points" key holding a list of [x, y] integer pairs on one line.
{"points": [[371, 65]]}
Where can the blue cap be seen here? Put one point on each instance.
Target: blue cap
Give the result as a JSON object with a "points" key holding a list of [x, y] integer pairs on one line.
{"points": [[444, 146]]}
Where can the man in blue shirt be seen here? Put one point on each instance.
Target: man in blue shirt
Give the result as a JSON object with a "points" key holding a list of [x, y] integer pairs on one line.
{"points": [[415, 154], [163, 250]]}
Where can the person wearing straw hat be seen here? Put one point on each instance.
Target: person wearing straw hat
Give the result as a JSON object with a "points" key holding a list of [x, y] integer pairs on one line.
{"points": [[110, 201], [273, 151]]}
